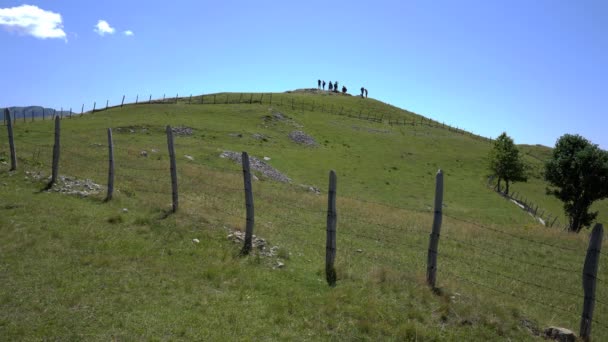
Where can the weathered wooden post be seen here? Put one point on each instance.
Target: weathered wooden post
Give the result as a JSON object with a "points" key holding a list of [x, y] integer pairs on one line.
{"points": [[94, 103], [251, 99], [11, 141], [123, 101], [110, 166], [136, 98], [56, 151], [589, 279], [431, 268], [70, 112], [107, 103], [250, 220], [261, 97], [173, 168], [332, 218], [81, 110], [150, 99]]}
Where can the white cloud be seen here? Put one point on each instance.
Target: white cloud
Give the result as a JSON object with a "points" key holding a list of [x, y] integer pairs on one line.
{"points": [[128, 33], [32, 20], [103, 27]]}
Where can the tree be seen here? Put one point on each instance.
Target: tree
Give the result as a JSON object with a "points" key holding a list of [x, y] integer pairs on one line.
{"points": [[505, 162], [578, 175]]}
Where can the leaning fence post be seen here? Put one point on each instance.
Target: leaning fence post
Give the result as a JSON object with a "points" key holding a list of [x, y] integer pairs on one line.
{"points": [[173, 168], [248, 204], [56, 150], [11, 141], [589, 278], [431, 268], [94, 103], [123, 101], [332, 218], [110, 166], [107, 103]]}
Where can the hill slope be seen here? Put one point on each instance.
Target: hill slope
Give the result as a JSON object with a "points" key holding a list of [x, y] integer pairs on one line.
{"points": [[81, 268]]}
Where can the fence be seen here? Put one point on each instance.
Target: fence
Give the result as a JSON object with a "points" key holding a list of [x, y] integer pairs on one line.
{"points": [[358, 232], [544, 217], [293, 103]]}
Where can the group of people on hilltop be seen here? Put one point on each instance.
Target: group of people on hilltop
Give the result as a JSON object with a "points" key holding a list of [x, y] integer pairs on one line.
{"points": [[334, 87]]}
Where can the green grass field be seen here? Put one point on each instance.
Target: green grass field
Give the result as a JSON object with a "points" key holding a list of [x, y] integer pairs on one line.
{"points": [[77, 268]]}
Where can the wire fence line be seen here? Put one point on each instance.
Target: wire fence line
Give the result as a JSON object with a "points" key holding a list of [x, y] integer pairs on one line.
{"points": [[392, 117], [143, 175]]}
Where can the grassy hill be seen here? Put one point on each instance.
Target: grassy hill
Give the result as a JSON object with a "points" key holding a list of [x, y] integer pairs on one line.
{"points": [[81, 268]]}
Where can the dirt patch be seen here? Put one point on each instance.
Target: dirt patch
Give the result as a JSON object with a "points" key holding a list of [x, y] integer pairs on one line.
{"points": [[257, 165], [302, 138], [371, 130]]}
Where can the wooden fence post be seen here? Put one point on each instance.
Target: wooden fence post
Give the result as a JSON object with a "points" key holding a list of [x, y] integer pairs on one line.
{"points": [[202, 99], [11, 141], [123, 101], [431, 268], [94, 103], [248, 205], [332, 218], [150, 99], [81, 111], [589, 278], [251, 99], [56, 151], [70, 113], [60, 113], [110, 166], [163, 98], [107, 103], [136, 98], [173, 168], [261, 98]]}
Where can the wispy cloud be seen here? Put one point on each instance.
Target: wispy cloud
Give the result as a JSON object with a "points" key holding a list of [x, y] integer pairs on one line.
{"points": [[32, 20], [102, 28], [128, 33]]}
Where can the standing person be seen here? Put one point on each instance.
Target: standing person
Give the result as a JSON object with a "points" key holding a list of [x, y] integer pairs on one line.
{"points": [[323, 85], [318, 84], [331, 86], [336, 86], [365, 93], [362, 91], [343, 90]]}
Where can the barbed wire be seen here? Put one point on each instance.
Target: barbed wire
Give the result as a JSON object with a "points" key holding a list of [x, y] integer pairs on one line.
{"points": [[509, 257], [510, 234]]}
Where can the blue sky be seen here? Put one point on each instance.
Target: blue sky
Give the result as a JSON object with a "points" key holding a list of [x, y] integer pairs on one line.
{"points": [[535, 69]]}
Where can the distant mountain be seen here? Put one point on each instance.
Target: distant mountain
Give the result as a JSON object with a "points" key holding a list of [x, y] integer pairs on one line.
{"points": [[33, 111]]}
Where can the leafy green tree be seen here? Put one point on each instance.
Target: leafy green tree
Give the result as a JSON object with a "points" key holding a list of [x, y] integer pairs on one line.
{"points": [[578, 175], [505, 162]]}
